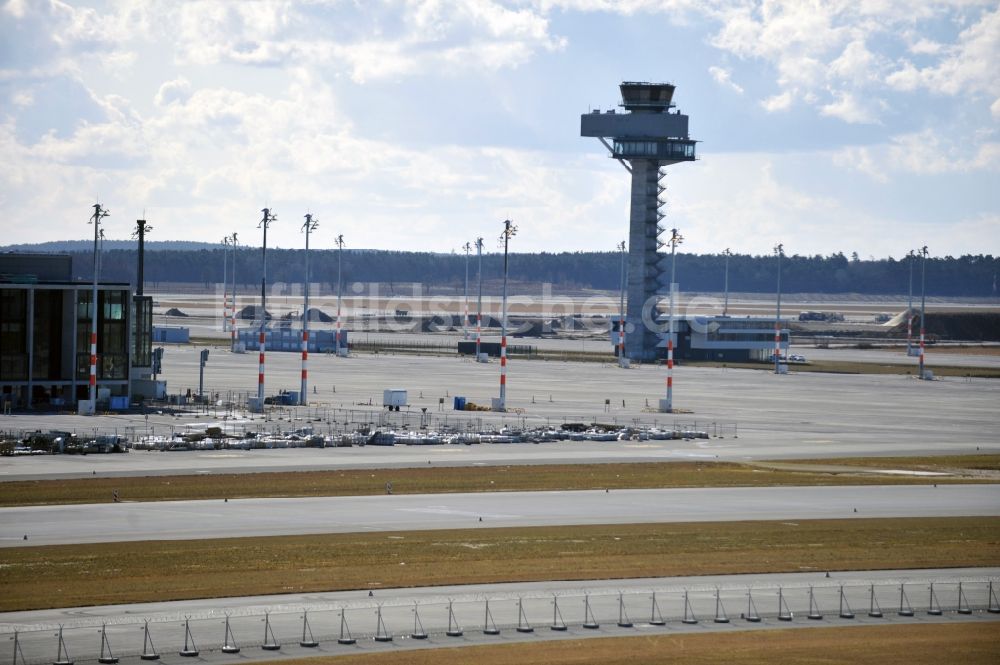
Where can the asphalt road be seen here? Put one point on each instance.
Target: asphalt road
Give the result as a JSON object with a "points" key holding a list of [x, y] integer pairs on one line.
{"points": [[176, 520]]}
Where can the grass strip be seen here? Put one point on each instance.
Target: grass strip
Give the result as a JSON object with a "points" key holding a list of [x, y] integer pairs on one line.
{"points": [[967, 643], [109, 573], [361, 482]]}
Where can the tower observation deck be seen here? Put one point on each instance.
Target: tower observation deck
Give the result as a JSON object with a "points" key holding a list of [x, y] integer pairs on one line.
{"points": [[649, 136]]}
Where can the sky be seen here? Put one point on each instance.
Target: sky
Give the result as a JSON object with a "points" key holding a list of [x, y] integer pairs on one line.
{"points": [[866, 126]]}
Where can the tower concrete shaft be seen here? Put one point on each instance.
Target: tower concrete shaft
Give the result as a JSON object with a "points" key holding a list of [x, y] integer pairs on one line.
{"points": [[645, 139]]}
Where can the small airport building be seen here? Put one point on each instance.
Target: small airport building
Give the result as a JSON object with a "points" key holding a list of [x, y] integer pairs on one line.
{"points": [[45, 325], [719, 338]]}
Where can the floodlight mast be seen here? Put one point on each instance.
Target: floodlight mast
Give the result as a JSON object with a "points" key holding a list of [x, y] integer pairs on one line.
{"points": [[339, 242], [95, 219], [225, 283], [923, 304], [909, 310], [232, 312], [263, 224], [100, 255], [310, 225], [725, 302], [509, 230], [465, 317], [675, 239], [779, 251], [622, 361], [479, 299]]}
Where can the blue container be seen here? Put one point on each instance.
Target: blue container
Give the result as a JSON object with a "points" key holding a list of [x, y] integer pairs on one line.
{"points": [[119, 403], [291, 397], [459, 403]]}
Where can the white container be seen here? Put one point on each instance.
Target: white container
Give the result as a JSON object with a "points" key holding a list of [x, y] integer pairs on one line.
{"points": [[394, 397]]}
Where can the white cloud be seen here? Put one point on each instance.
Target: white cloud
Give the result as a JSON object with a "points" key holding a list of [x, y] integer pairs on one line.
{"points": [[779, 102], [404, 37], [177, 90], [927, 152], [723, 78], [849, 109], [969, 66]]}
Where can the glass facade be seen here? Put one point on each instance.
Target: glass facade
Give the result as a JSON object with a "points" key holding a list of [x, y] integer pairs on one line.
{"points": [[112, 334], [13, 334], [46, 351], [142, 331], [661, 149]]}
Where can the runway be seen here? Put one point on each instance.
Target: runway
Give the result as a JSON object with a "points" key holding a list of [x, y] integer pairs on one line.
{"points": [[177, 520]]}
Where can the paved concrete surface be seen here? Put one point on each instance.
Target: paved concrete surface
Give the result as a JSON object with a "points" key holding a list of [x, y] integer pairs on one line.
{"points": [[537, 605], [759, 414], [932, 356], [174, 520]]}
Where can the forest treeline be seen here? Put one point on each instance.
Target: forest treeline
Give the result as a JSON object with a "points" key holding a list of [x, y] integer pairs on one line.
{"points": [[963, 276]]}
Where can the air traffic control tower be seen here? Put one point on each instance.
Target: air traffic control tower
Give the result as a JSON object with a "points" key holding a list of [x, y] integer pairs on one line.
{"points": [[648, 137]]}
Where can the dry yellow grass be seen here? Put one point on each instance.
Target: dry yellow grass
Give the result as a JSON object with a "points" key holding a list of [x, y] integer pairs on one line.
{"points": [[484, 479], [966, 643], [108, 573]]}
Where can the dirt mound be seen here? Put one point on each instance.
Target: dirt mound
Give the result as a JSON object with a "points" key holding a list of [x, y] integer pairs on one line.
{"points": [[173, 311], [249, 313]]}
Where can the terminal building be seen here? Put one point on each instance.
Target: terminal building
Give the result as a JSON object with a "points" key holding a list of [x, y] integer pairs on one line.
{"points": [[719, 338], [45, 323]]}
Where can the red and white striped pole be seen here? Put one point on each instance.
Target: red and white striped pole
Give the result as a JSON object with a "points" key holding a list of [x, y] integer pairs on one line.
{"points": [[479, 300], [923, 305], [310, 226], [225, 283], [340, 289], [232, 311], [93, 360], [503, 372], [670, 371], [260, 369], [779, 251], [508, 231], [675, 239], [621, 339], [99, 214], [264, 223], [305, 368]]}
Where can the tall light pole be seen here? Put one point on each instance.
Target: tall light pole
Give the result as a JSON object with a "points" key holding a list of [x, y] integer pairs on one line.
{"points": [[308, 227], [225, 283], [264, 224], [95, 219], [909, 311], [725, 302], [232, 312], [779, 250], [479, 300], [465, 318], [508, 232], [675, 239], [100, 254], [923, 303], [622, 362], [339, 242]]}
